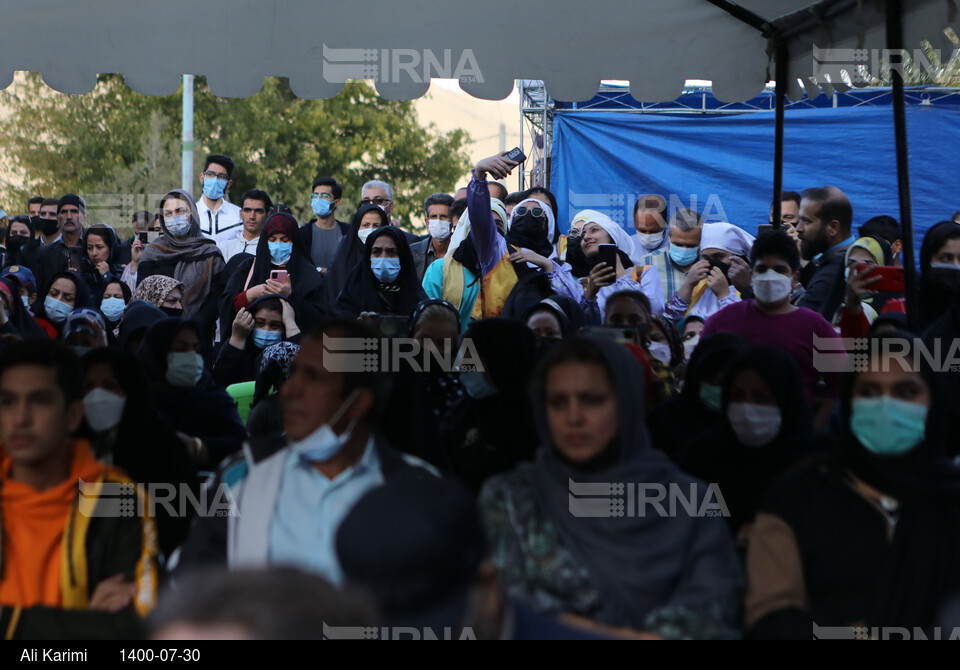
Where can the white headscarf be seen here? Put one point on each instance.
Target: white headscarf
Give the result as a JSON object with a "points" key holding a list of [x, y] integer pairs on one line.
{"points": [[551, 223], [619, 236], [727, 237]]}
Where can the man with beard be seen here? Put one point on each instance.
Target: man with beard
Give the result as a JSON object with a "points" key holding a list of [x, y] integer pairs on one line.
{"points": [[824, 229], [64, 253]]}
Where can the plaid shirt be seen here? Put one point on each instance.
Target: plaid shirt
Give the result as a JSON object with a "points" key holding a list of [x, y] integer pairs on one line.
{"points": [[671, 277]]}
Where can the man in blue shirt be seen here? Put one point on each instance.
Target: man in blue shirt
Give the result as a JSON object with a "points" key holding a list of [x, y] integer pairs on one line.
{"points": [[289, 504], [824, 228]]}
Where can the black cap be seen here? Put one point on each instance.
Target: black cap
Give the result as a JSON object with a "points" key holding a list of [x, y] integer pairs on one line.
{"points": [[72, 199]]}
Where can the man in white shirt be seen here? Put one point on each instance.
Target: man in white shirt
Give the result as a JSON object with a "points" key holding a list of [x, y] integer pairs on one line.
{"points": [[254, 205], [219, 220]]}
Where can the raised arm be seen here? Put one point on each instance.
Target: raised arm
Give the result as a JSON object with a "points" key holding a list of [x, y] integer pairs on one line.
{"points": [[489, 244]]}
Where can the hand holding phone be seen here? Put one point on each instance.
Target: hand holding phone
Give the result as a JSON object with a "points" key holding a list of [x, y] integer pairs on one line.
{"points": [[891, 278], [279, 276]]}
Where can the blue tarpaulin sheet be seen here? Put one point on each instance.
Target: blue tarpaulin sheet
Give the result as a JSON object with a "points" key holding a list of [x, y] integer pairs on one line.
{"points": [[722, 166]]}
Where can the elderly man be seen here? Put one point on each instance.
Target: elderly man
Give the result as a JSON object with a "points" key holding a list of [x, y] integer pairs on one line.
{"points": [[674, 263], [707, 288], [380, 193]]}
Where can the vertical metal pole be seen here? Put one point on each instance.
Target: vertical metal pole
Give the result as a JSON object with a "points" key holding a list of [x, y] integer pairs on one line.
{"points": [[186, 168], [895, 44], [781, 93]]}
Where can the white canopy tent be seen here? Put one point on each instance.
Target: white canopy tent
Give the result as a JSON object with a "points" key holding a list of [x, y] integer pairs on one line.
{"points": [[402, 44]]}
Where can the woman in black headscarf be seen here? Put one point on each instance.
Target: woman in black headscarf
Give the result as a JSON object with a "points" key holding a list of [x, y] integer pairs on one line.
{"points": [[675, 422], [940, 275], [672, 574], [122, 425], [764, 429], [940, 310], [188, 398], [352, 248], [385, 281], [491, 429], [112, 300], [279, 248], [871, 538], [267, 321], [424, 390], [65, 292], [98, 265]]}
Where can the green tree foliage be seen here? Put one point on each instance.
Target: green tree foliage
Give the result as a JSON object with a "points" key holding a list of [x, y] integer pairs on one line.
{"points": [[124, 148]]}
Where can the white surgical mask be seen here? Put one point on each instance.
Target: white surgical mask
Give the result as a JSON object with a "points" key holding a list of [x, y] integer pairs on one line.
{"points": [[364, 233], [689, 346], [661, 352], [771, 287], [754, 425], [103, 409], [323, 444], [650, 240], [439, 229]]}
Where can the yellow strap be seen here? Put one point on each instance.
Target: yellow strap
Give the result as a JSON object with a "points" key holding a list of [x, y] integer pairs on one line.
{"points": [[146, 574], [14, 620], [73, 550], [452, 290]]}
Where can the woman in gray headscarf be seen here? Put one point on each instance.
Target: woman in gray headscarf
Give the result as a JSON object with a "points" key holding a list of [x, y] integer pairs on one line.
{"points": [[577, 531], [182, 252]]}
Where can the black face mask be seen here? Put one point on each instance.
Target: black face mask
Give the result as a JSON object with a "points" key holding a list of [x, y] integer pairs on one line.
{"points": [[948, 278], [580, 266], [176, 312], [724, 268], [46, 226], [530, 232], [16, 242]]}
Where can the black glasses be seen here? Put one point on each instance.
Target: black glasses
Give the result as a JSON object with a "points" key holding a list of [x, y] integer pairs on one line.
{"points": [[210, 174], [537, 212], [251, 210], [375, 201]]}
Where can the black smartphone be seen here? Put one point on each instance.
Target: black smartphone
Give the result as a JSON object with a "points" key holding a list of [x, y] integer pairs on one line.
{"points": [[149, 236], [516, 155], [607, 253]]}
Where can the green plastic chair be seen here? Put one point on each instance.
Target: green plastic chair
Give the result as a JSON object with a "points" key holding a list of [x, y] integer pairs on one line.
{"points": [[242, 394]]}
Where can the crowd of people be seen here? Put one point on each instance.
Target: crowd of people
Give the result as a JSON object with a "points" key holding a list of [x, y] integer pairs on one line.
{"points": [[234, 425]]}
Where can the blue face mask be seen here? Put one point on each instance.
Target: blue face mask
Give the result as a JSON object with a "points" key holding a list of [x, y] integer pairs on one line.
{"points": [[323, 444], [178, 226], [684, 256], [280, 252], [266, 338], [56, 311], [711, 395], [476, 386], [321, 207], [26, 301], [214, 188], [385, 269], [888, 427], [112, 308]]}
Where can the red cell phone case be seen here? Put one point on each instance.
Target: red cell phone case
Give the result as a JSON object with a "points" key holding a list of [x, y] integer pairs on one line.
{"points": [[891, 281]]}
